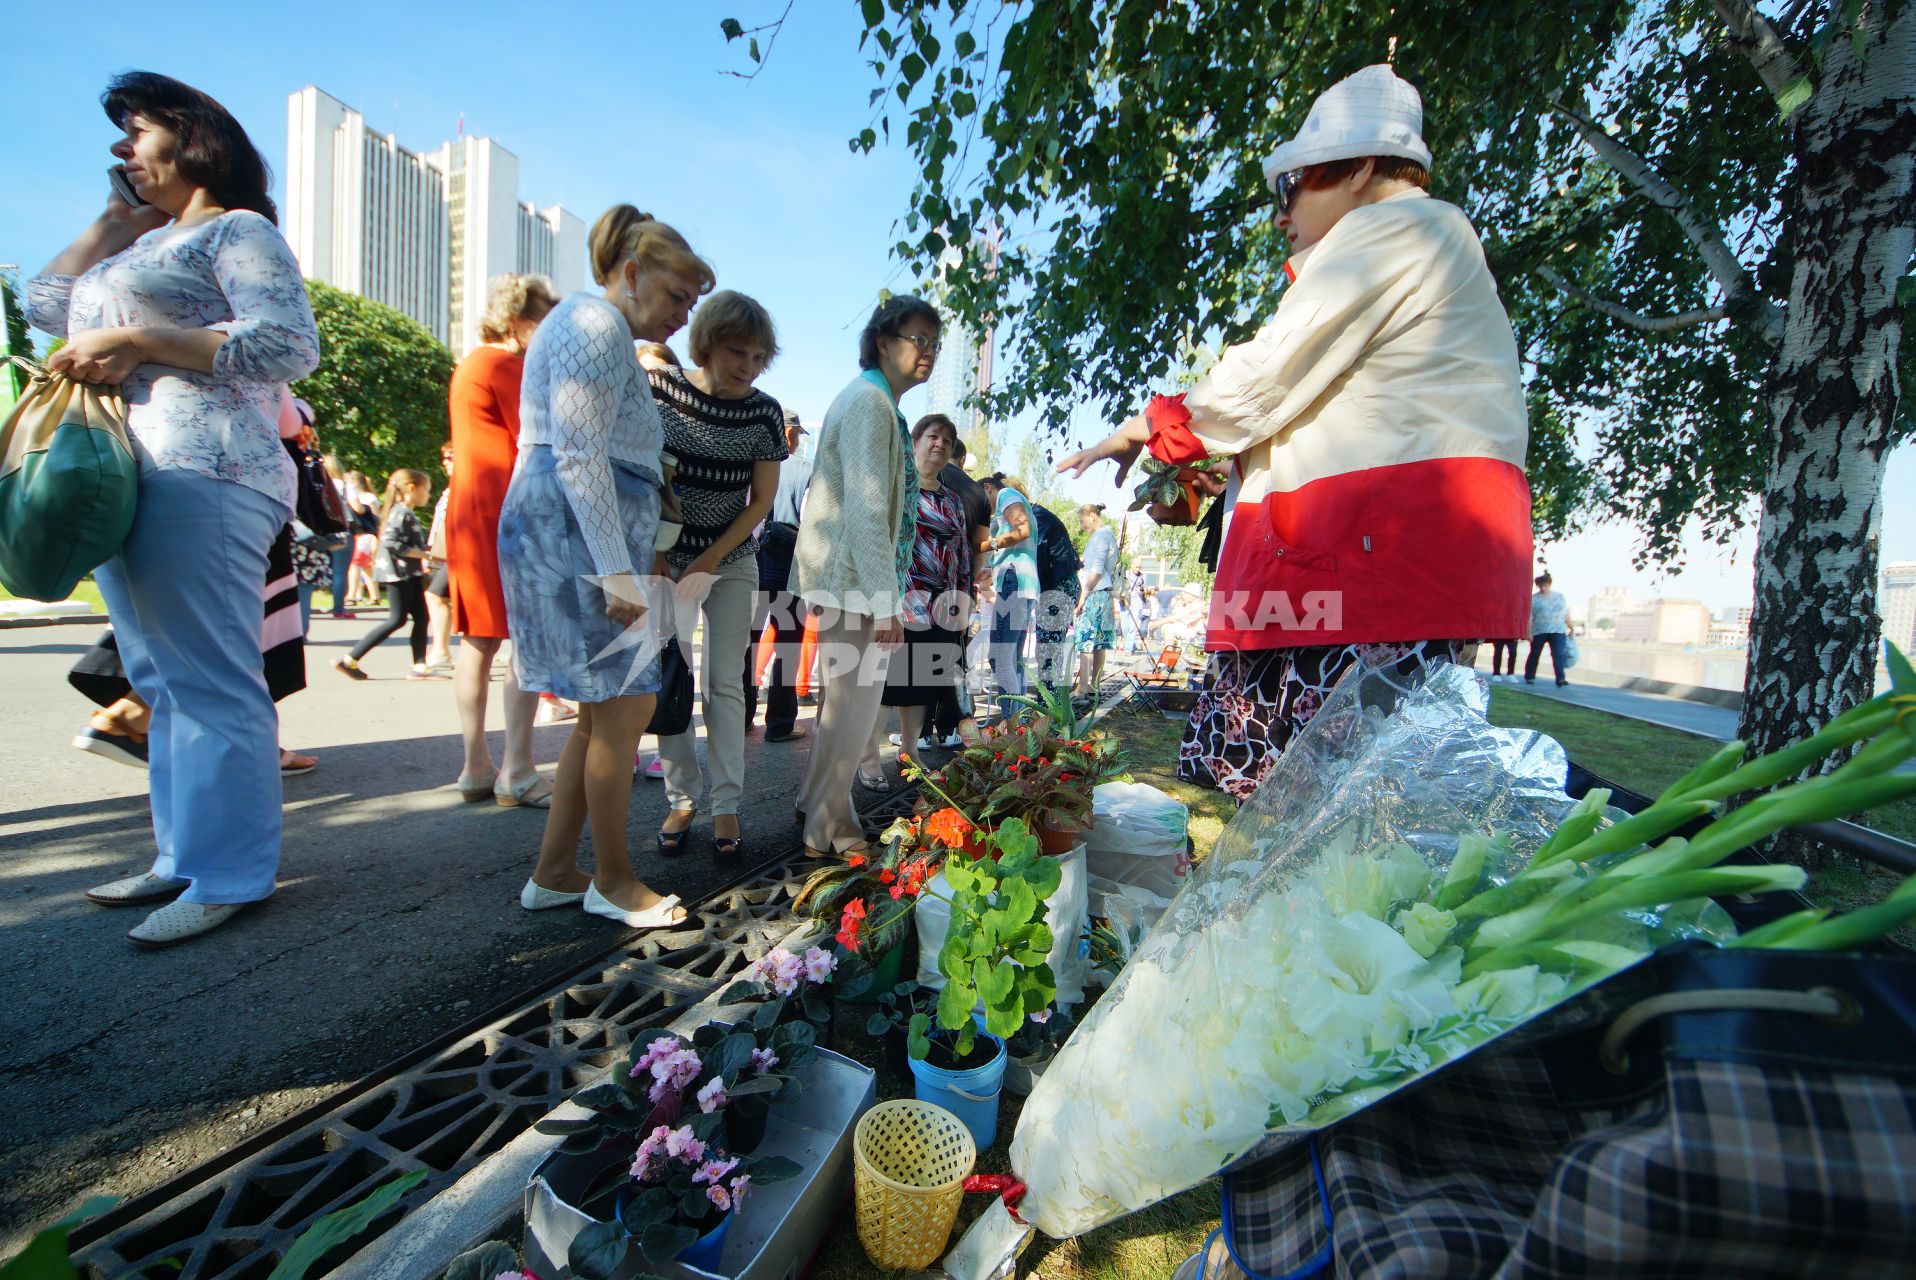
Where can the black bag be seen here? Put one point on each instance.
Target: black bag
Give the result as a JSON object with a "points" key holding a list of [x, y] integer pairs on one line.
{"points": [[1058, 561], [673, 711], [316, 502], [1708, 1112]]}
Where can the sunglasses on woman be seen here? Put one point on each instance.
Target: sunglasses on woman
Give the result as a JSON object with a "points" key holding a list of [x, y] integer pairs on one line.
{"points": [[1287, 185]]}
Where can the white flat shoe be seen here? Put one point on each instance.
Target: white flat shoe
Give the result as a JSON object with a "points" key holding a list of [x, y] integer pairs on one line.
{"points": [[134, 890], [178, 921], [656, 916], [536, 897]]}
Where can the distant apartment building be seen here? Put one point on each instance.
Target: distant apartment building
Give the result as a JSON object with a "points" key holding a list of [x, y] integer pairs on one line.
{"points": [[1666, 622], [1898, 604], [422, 232], [1608, 605]]}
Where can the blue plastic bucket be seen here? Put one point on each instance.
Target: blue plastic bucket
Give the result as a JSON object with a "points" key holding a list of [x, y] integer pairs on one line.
{"points": [[706, 1252], [971, 1094]]}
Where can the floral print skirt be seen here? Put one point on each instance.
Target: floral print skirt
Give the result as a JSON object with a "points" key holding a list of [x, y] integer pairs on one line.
{"points": [[562, 641], [1097, 629], [1253, 703]]}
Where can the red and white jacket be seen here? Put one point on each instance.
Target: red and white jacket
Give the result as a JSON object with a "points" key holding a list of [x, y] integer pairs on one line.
{"points": [[1378, 429]]}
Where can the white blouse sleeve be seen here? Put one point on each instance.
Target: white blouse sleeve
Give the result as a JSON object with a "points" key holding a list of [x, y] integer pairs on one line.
{"points": [[589, 376], [271, 337], [47, 300]]}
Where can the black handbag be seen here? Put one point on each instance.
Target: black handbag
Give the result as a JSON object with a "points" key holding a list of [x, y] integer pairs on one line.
{"points": [[315, 501], [673, 711]]}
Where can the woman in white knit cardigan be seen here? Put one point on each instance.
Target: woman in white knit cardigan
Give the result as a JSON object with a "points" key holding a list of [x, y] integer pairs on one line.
{"points": [[854, 546]]}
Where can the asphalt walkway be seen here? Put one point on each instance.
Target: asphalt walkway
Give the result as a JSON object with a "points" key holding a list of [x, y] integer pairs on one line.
{"points": [[396, 920]]}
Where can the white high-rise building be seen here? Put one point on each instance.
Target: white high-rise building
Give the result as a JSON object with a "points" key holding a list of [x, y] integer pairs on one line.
{"points": [[1898, 603], [964, 367], [421, 232]]}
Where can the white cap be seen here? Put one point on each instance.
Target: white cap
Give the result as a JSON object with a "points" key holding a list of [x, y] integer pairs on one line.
{"points": [[1372, 113]]}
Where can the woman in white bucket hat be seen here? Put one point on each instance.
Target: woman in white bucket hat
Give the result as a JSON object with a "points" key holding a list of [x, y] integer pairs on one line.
{"points": [[1377, 508]]}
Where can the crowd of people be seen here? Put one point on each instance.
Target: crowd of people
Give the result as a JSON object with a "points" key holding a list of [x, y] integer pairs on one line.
{"points": [[606, 501]]}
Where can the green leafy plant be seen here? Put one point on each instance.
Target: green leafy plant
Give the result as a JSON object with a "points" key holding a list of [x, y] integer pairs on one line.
{"points": [[995, 952], [45, 1256], [1162, 483], [342, 1225]]}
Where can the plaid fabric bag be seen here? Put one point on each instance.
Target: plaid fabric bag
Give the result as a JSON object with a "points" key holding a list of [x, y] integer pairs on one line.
{"points": [[1718, 1113]]}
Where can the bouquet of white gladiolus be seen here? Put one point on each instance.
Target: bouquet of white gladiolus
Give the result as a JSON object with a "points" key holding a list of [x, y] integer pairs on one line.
{"points": [[1407, 885]]}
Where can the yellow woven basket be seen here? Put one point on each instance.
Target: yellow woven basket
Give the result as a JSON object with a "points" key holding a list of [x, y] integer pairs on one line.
{"points": [[910, 1160]]}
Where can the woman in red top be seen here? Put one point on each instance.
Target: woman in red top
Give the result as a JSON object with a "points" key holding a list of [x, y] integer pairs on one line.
{"points": [[485, 445]]}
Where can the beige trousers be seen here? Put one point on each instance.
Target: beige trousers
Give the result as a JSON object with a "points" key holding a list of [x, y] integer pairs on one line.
{"points": [[854, 670], [727, 610]]}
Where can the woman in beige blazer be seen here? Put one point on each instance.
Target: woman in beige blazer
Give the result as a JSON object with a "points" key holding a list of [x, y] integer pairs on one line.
{"points": [[854, 547]]}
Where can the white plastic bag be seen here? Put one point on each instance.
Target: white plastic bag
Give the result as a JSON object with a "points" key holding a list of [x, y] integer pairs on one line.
{"points": [[1065, 912], [1138, 836]]}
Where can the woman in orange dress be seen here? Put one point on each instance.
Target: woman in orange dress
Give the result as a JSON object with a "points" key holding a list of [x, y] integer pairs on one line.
{"points": [[485, 445]]}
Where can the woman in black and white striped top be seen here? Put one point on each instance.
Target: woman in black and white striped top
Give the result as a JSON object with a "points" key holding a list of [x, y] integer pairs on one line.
{"points": [[726, 440]]}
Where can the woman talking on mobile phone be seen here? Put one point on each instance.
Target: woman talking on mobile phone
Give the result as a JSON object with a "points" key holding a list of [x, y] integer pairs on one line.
{"points": [[194, 304]]}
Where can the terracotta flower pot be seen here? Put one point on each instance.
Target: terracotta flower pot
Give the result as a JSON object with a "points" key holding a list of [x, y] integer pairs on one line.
{"points": [[1184, 511], [1057, 841]]}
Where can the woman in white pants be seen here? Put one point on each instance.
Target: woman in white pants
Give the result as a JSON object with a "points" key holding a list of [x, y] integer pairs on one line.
{"points": [[854, 548], [726, 441]]}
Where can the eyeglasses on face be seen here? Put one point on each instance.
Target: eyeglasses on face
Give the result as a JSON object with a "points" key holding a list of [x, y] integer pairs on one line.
{"points": [[922, 343]]}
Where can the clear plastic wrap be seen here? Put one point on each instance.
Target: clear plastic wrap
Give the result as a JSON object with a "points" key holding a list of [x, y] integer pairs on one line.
{"points": [[1305, 970]]}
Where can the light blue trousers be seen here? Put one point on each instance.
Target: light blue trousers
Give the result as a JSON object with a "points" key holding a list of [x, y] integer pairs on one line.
{"points": [[186, 596]]}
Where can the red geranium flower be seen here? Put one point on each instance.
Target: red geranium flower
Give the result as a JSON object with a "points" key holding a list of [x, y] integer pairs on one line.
{"points": [[949, 828], [850, 923], [855, 861]]}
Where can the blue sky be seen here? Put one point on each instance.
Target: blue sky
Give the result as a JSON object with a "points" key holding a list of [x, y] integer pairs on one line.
{"points": [[603, 104]]}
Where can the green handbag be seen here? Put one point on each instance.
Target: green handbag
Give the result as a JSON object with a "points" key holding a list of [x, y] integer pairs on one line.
{"points": [[68, 484]]}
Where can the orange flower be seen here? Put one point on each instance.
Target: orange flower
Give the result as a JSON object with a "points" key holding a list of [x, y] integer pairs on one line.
{"points": [[948, 827], [855, 861], [887, 876]]}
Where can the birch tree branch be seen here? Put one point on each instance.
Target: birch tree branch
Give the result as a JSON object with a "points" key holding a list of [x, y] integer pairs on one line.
{"points": [[1753, 36], [1739, 291], [1635, 319]]}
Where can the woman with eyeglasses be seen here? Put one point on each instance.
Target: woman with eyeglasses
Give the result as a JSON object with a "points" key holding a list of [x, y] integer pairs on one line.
{"points": [[1378, 513], [853, 554]]}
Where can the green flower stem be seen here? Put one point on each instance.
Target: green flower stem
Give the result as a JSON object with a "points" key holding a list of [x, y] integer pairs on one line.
{"points": [[1648, 891], [1520, 890], [1583, 820], [1778, 931], [1855, 929], [1863, 721], [1717, 767], [1639, 829]]}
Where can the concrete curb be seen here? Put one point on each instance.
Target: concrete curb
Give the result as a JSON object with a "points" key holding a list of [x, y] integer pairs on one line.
{"points": [[54, 620], [483, 1202]]}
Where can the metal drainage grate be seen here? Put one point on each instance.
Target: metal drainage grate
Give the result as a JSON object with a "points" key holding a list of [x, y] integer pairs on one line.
{"points": [[234, 1219]]}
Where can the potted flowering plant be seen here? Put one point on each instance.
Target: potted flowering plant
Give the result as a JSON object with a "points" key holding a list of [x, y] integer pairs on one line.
{"points": [[669, 1079], [785, 984], [1039, 767], [867, 898], [675, 1202]]}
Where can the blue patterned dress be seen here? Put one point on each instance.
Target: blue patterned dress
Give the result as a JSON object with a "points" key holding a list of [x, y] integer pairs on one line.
{"points": [[583, 505]]}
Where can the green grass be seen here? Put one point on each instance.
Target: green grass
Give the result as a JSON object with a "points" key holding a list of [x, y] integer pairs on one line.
{"points": [[86, 593], [1647, 758]]}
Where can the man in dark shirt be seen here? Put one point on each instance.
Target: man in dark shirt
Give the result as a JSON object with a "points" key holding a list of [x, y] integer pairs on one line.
{"points": [[978, 516], [778, 609]]}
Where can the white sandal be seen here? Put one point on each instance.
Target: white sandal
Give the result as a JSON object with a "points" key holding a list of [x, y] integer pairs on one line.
{"points": [[474, 789], [521, 797], [656, 916]]}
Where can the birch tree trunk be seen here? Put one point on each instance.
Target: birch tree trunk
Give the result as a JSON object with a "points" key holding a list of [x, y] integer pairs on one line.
{"points": [[1814, 632]]}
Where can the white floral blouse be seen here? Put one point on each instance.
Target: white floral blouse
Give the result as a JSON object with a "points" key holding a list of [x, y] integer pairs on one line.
{"points": [[234, 273]]}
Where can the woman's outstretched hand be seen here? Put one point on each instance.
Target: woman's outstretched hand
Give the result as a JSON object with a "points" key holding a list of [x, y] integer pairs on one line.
{"points": [[1121, 446]]}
